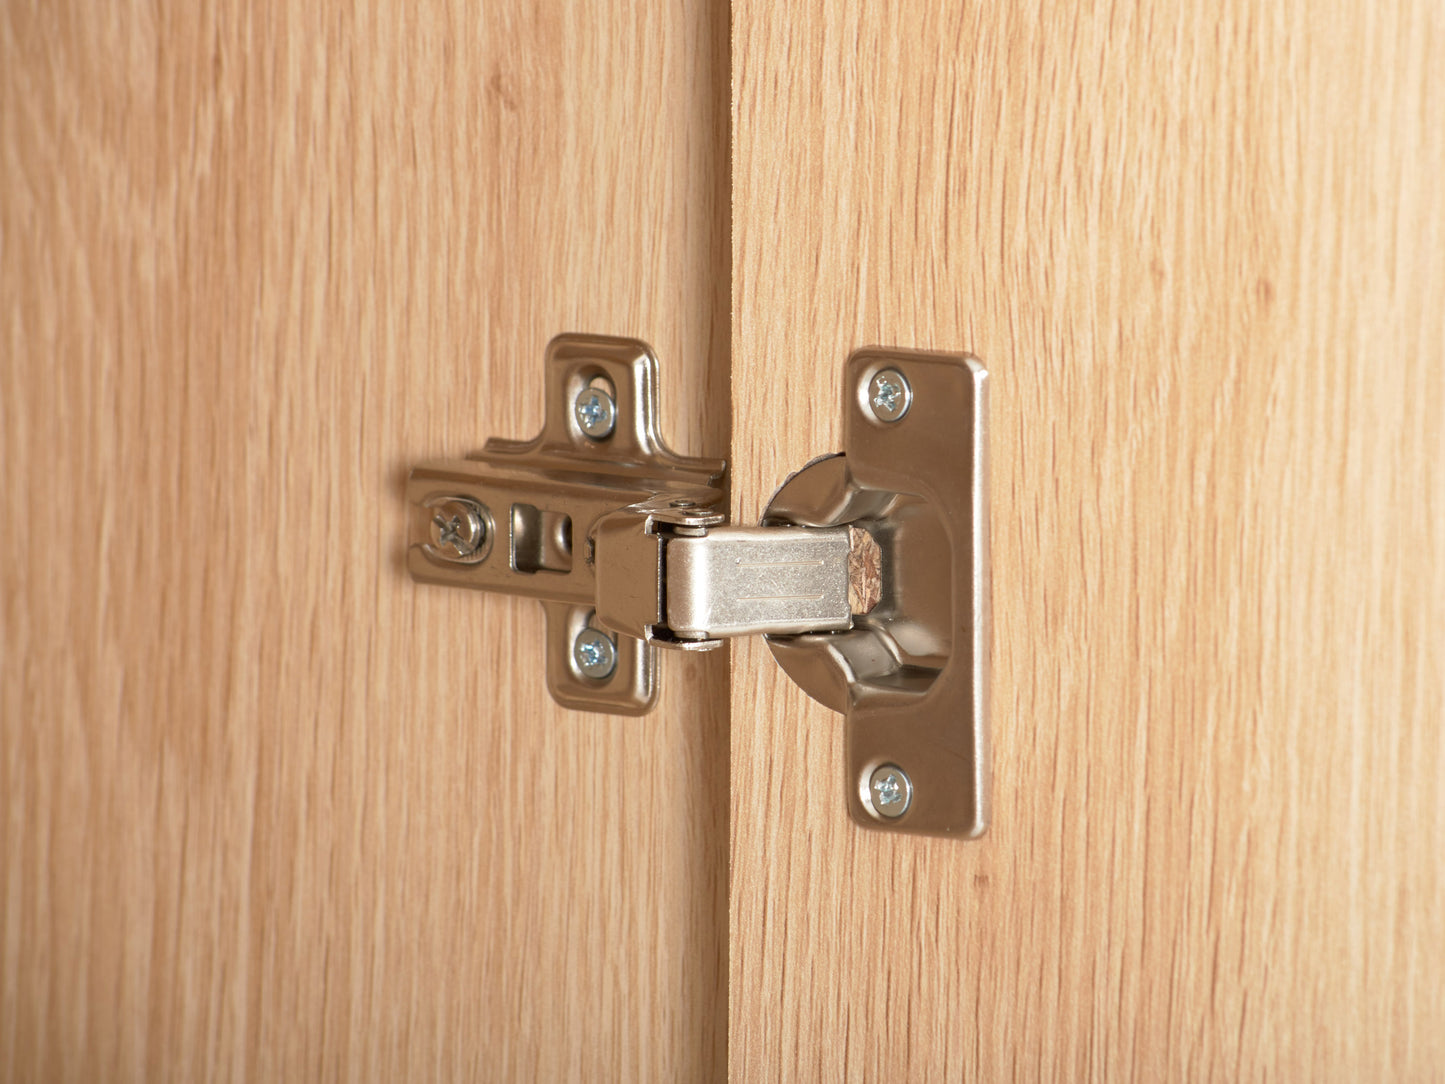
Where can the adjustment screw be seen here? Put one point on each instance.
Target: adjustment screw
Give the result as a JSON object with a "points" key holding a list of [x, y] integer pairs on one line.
{"points": [[891, 790], [596, 413], [458, 527], [889, 395], [594, 653]]}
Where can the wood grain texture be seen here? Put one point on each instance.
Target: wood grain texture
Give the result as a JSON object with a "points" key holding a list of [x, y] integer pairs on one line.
{"points": [[1203, 251], [268, 810]]}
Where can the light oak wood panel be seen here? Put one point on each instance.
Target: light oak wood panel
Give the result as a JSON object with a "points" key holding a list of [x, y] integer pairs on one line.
{"points": [[271, 811], [1202, 250]]}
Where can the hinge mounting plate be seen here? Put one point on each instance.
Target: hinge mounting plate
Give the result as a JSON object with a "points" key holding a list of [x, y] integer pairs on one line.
{"points": [[912, 674], [540, 503]]}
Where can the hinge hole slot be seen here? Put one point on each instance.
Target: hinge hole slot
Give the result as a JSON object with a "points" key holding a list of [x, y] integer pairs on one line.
{"points": [[541, 540]]}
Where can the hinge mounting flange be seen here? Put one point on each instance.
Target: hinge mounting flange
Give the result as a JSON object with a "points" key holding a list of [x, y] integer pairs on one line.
{"points": [[541, 503]]}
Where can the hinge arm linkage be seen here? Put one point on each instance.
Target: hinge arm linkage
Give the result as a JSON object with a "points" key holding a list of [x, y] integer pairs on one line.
{"points": [[693, 586]]}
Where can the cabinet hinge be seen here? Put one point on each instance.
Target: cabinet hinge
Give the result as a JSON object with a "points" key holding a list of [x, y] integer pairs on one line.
{"points": [[868, 575]]}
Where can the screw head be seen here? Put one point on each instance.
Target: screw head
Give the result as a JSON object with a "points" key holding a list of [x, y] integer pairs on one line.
{"points": [[889, 395], [596, 412], [458, 527], [891, 791], [594, 653]]}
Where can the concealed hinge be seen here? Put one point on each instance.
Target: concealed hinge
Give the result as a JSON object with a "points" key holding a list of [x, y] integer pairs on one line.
{"points": [[868, 576]]}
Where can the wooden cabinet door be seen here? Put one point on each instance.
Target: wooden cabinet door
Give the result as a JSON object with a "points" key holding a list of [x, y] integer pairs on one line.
{"points": [[269, 810], [272, 811], [1202, 251]]}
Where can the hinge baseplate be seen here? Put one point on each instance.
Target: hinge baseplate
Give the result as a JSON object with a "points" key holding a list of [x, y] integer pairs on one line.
{"points": [[527, 518]]}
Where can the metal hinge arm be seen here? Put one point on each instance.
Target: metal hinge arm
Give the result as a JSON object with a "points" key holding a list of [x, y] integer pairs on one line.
{"points": [[742, 581], [691, 586]]}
